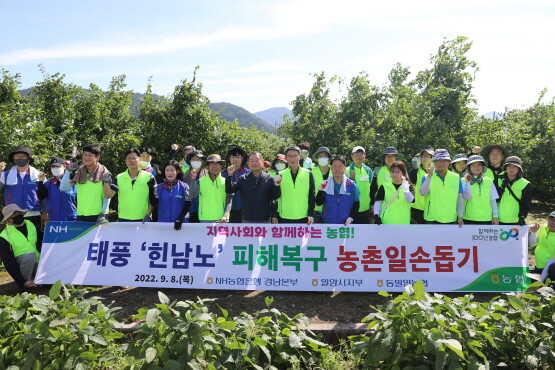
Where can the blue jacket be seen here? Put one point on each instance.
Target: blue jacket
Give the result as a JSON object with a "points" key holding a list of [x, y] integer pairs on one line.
{"points": [[24, 193], [236, 202], [171, 201], [337, 208], [62, 205]]}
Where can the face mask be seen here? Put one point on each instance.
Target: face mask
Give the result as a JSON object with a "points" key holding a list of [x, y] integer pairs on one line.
{"points": [[323, 161], [17, 220], [57, 171], [21, 162], [144, 164], [196, 164], [304, 153], [280, 166]]}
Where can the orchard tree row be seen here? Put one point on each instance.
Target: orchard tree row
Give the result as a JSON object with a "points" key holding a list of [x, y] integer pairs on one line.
{"points": [[434, 107]]}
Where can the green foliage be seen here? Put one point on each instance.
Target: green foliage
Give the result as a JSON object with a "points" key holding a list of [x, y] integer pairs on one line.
{"points": [[63, 330], [186, 335], [433, 108], [436, 107], [59, 118], [418, 329], [66, 329]]}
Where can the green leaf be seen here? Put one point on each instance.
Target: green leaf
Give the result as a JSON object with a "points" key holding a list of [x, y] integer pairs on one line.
{"points": [[269, 301], [150, 354], [295, 340], [516, 303], [228, 325], [531, 361], [151, 317], [99, 339], [455, 346], [383, 293], [236, 345], [89, 356], [419, 290], [163, 298], [267, 353], [54, 291]]}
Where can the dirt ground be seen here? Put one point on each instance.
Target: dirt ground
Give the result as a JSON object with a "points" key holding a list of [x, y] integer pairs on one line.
{"points": [[320, 307]]}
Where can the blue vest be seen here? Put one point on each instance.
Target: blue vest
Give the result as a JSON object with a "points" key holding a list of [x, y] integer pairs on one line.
{"points": [[337, 208], [236, 202], [171, 201], [62, 205], [24, 194]]}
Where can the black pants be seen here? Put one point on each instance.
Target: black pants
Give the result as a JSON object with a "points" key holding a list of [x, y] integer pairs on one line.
{"points": [[470, 222], [362, 217], [289, 221], [235, 216], [193, 218], [417, 216], [37, 222], [87, 218], [318, 217]]}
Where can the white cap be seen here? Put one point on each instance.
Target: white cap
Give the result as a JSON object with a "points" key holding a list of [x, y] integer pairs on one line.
{"points": [[357, 148]]}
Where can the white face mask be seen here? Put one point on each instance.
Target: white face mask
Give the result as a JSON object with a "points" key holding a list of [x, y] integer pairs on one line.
{"points": [[304, 153], [280, 166], [196, 164], [144, 164], [323, 161], [57, 171]]}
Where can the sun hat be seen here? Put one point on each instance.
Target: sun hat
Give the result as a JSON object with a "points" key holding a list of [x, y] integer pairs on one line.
{"points": [[322, 149], [23, 150], [9, 210], [214, 158], [514, 161], [459, 158], [426, 149], [440, 154], [198, 153], [475, 158], [489, 148]]}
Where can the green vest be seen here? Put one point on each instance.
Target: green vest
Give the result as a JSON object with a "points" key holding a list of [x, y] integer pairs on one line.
{"points": [[318, 178], [212, 197], [442, 198], [90, 197], [508, 207], [21, 244], [546, 246], [293, 203], [489, 173], [363, 186], [185, 168], [419, 200], [383, 176], [133, 198], [398, 211], [478, 208]]}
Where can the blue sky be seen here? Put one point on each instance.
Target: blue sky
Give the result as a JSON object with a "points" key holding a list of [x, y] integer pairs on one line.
{"points": [[260, 54]]}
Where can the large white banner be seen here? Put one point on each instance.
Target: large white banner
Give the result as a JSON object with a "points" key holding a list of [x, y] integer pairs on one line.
{"points": [[286, 257]]}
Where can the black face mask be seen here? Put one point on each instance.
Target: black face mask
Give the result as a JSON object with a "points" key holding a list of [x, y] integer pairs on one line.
{"points": [[21, 162], [18, 220]]}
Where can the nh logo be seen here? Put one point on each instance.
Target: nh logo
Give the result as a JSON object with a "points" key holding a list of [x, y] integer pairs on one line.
{"points": [[58, 229]]}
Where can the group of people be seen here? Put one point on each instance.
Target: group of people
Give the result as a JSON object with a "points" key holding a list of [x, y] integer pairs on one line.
{"points": [[294, 188]]}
